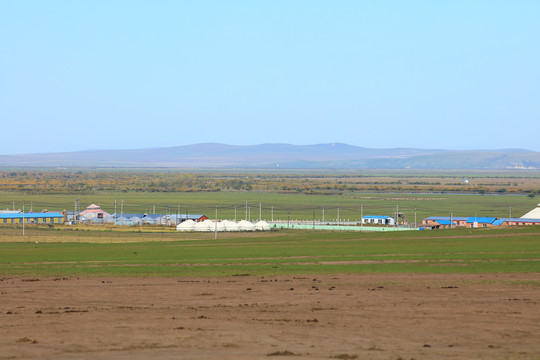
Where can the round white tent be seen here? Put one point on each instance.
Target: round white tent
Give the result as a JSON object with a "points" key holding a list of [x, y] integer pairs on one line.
{"points": [[245, 225], [231, 226], [262, 226], [203, 226], [187, 225], [219, 226]]}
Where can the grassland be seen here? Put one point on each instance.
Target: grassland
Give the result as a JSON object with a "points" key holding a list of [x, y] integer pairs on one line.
{"points": [[282, 206], [282, 195], [63, 253], [160, 251]]}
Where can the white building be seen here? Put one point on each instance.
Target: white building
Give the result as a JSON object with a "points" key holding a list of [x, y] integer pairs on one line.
{"points": [[533, 214], [378, 220]]}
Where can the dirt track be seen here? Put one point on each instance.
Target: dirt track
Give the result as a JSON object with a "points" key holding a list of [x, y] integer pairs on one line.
{"points": [[248, 317]]}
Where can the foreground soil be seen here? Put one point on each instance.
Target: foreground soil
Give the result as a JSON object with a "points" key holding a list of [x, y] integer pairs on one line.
{"points": [[380, 316]]}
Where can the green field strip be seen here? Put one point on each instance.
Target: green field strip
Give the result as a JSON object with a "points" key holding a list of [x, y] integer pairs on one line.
{"points": [[295, 206], [282, 269], [460, 251], [74, 252]]}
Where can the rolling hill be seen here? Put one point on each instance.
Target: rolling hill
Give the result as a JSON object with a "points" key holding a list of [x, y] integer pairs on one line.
{"points": [[284, 156]]}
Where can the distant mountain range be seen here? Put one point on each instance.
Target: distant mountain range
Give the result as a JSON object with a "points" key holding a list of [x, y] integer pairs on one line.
{"points": [[284, 156]]}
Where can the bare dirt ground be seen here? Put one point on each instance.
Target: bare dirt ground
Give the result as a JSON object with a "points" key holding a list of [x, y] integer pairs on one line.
{"points": [[381, 316]]}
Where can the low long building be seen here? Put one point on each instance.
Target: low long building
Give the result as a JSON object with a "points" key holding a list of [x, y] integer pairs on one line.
{"points": [[378, 220], [521, 221], [456, 221], [32, 218], [479, 221], [442, 222]]}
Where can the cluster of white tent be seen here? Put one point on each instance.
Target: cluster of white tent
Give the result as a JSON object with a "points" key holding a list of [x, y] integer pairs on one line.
{"points": [[225, 225]]}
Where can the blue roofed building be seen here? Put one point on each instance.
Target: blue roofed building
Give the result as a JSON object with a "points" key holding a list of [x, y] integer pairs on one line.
{"points": [[32, 218], [500, 222], [442, 224], [457, 220], [479, 221], [521, 221]]}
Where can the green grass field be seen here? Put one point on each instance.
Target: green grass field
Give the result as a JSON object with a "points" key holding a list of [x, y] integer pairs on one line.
{"points": [[61, 253], [295, 206]]}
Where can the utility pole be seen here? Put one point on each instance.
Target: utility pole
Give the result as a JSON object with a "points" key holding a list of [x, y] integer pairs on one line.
{"points": [[215, 226], [234, 213], [246, 210], [23, 218], [338, 216], [361, 216], [77, 211], [323, 214], [415, 218], [115, 213], [313, 219], [288, 219], [451, 219], [510, 213]]}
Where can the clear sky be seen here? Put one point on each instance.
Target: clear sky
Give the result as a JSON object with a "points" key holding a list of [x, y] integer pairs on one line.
{"points": [[112, 74]]}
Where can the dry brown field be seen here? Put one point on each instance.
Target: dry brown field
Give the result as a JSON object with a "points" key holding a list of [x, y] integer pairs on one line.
{"points": [[362, 316]]}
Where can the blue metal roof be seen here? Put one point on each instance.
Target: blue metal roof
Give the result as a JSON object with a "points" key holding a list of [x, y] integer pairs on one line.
{"points": [[513, 219], [456, 218], [521, 220], [446, 222], [376, 217], [31, 215], [191, 216], [163, 216], [127, 216], [188, 216], [481, 220]]}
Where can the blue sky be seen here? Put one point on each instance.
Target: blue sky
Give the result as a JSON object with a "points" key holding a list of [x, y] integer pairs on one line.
{"points": [[78, 75]]}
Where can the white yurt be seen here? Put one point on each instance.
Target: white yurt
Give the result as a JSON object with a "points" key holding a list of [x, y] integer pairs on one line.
{"points": [[187, 225], [245, 225], [262, 226], [219, 226], [231, 226], [204, 226]]}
